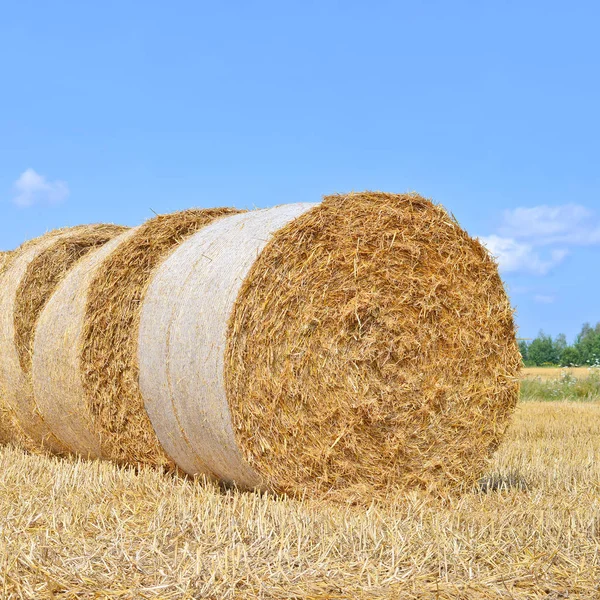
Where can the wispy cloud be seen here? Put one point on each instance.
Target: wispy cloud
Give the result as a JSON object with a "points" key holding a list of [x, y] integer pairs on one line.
{"points": [[543, 299], [514, 256], [32, 188], [572, 224], [537, 239]]}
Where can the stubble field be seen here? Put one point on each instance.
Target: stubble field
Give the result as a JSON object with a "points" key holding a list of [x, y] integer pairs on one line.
{"points": [[531, 529], [547, 373]]}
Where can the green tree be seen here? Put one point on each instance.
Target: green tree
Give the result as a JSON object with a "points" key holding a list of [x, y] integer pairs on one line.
{"points": [[570, 357], [543, 351], [523, 348], [560, 342], [588, 344]]}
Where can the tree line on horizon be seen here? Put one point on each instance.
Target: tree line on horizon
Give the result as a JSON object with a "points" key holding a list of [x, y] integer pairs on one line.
{"points": [[545, 351]]}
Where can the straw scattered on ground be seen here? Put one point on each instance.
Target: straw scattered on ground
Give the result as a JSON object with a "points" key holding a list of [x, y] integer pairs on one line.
{"points": [[109, 358], [529, 529], [371, 348]]}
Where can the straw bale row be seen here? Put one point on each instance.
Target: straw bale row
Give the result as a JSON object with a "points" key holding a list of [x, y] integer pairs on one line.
{"points": [[86, 354], [28, 281], [347, 349]]}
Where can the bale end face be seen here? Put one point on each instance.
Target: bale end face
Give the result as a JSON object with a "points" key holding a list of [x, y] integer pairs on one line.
{"points": [[371, 349]]}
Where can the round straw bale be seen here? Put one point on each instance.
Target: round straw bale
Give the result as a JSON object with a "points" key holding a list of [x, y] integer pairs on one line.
{"points": [[57, 377], [44, 274], [5, 426], [10, 430], [182, 335], [351, 349], [95, 346], [34, 272]]}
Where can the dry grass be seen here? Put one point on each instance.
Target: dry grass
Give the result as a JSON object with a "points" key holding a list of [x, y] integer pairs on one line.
{"points": [[73, 529], [585, 388], [371, 348], [554, 372]]}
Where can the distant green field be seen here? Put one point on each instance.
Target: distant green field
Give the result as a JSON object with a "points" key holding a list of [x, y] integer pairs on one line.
{"points": [[582, 386]]}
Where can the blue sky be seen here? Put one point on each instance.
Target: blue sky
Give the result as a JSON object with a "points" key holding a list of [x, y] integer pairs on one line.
{"points": [[112, 110]]}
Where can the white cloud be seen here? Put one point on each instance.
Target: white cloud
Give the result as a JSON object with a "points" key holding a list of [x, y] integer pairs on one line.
{"points": [[544, 225], [32, 188], [543, 299], [536, 239], [513, 256]]}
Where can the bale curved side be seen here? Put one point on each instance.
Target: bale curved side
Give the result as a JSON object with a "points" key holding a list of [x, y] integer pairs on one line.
{"points": [[35, 269], [57, 377], [183, 329], [109, 353]]}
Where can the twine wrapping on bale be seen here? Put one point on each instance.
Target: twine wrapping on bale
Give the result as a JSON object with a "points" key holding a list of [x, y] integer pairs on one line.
{"points": [[350, 349], [28, 282], [57, 377], [182, 335], [86, 344]]}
